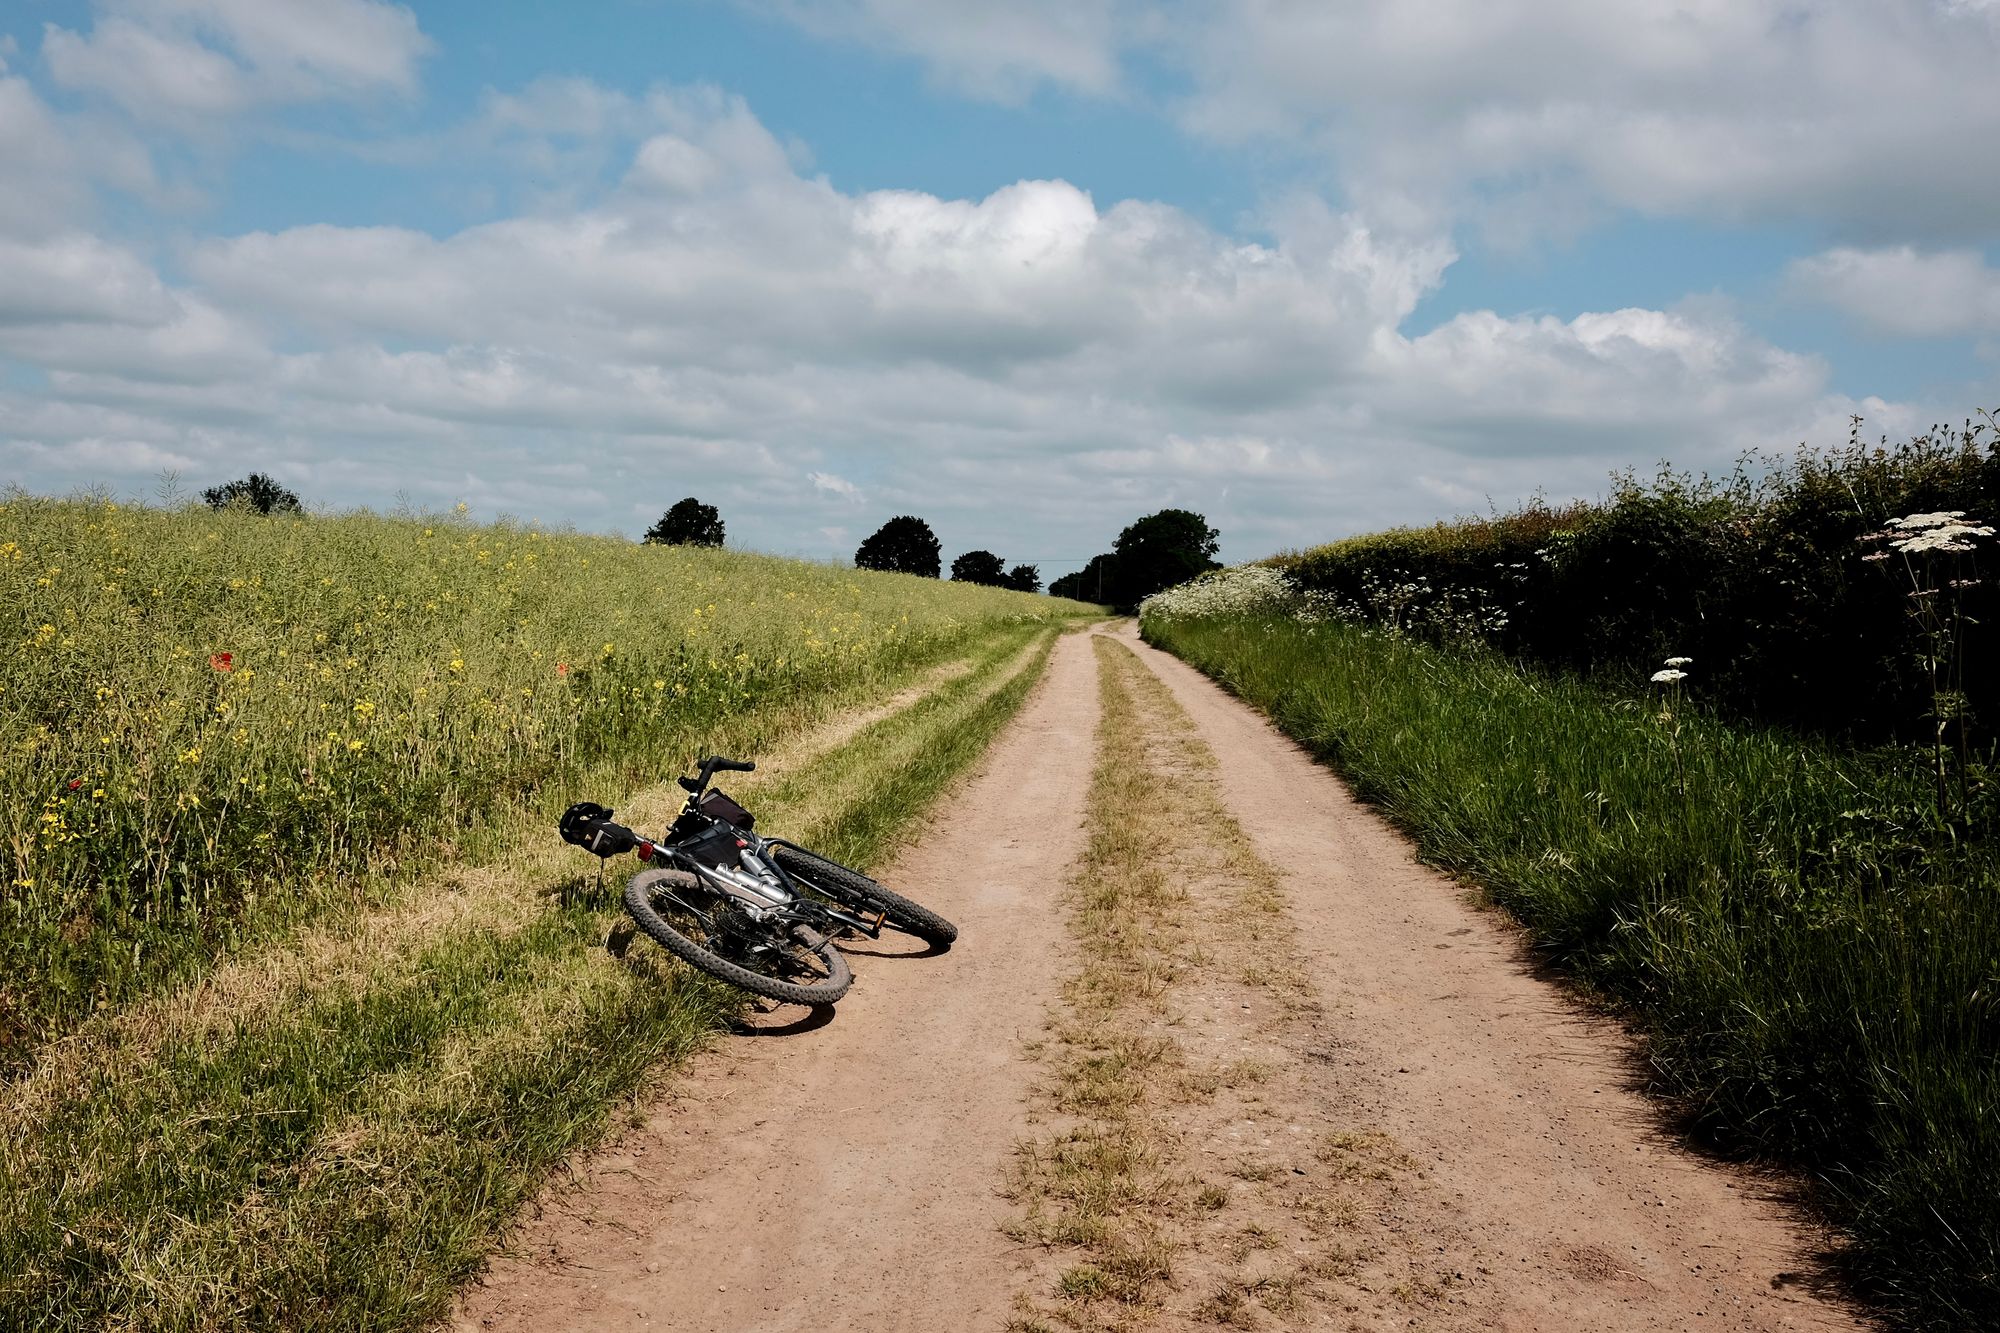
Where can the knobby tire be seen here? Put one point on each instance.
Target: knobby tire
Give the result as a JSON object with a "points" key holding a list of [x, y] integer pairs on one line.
{"points": [[852, 889], [639, 902]]}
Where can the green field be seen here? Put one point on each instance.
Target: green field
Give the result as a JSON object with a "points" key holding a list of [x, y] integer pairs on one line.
{"points": [[1812, 946], [302, 996]]}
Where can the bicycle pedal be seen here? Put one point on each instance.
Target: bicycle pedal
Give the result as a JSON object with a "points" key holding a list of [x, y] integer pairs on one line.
{"points": [[876, 923]]}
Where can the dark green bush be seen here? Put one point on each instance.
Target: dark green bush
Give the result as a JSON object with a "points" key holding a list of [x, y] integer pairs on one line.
{"points": [[1759, 578]]}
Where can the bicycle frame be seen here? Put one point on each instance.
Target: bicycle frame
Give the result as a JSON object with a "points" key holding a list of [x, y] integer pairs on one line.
{"points": [[766, 892]]}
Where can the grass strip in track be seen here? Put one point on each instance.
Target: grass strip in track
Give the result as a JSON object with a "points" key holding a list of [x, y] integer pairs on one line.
{"points": [[1817, 966], [1174, 915], [412, 1112]]}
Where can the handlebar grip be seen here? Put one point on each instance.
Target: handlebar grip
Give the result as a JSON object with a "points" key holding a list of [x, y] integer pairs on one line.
{"points": [[720, 765]]}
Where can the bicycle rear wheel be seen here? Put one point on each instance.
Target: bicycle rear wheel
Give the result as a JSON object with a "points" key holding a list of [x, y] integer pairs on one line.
{"points": [[851, 888], [712, 933]]}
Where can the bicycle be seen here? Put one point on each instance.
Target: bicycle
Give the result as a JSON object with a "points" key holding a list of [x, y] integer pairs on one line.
{"points": [[759, 913]]}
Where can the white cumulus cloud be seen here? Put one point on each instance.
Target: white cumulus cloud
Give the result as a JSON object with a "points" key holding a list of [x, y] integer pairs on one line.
{"points": [[1901, 290], [1537, 115], [1029, 370], [207, 58]]}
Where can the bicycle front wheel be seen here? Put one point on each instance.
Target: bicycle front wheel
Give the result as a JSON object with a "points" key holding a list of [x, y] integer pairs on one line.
{"points": [[851, 888], [714, 934]]}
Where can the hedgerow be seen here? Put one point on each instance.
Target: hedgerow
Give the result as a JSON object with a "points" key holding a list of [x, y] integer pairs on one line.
{"points": [[1762, 577]]}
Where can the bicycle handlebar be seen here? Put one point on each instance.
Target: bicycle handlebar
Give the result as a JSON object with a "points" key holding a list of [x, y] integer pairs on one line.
{"points": [[588, 825]]}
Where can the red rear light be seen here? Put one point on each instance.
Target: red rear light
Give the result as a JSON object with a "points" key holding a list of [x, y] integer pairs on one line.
{"points": [[644, 851]]}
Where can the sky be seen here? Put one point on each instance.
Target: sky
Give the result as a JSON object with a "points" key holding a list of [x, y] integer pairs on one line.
{"points": [[1029, 271]]}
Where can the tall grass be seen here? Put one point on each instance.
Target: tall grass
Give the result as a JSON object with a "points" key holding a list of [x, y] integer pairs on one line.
{"points": [[1815, 953], [211, 723]]}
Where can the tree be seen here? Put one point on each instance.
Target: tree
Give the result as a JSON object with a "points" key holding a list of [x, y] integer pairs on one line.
{"points": [[1024, 578], [903, 545], [1161, 550], [1095, 582], [688, 523], [255, 491], [980, 567]]}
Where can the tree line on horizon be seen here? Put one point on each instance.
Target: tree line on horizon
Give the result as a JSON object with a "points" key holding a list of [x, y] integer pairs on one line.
{"points": [[1151, 554]]}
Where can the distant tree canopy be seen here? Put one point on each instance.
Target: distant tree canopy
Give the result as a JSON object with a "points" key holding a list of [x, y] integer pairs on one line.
{"points": [[688, 523], [980, 567], [903, 545], [1161, 550], [1024, 578], [255, 491], [1095, 582], [1156, 552]]}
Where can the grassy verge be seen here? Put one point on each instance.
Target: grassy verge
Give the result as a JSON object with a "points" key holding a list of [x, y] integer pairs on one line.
{"points": [[337, 1146], [1817, 961]]}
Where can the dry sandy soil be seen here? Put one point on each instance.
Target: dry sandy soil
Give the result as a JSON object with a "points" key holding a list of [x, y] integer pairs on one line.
{"points": [[1501, 1170]]}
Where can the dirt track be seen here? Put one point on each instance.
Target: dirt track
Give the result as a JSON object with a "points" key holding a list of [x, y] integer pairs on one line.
{"points": [[847, 1176]]}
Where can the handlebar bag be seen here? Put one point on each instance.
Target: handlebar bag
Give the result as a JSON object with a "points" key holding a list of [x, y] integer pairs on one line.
{"points": [[716, 805]]}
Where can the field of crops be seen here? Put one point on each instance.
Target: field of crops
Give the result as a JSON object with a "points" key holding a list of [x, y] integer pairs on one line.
{"points": [[1808, 933], [299, 996]]}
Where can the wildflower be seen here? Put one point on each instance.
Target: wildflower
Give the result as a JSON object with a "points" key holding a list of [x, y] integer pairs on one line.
{"points": [[191, 756], [356, 747], [1914, 521], [562, 668], [222, 661], [1943, 537], [457, 665], [364, 708], [1668, 677], [1679, 661]]}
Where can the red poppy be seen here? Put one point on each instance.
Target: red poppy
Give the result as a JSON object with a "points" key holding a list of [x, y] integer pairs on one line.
{"points": [[562, 668], [222, 661], [74, 783]]}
